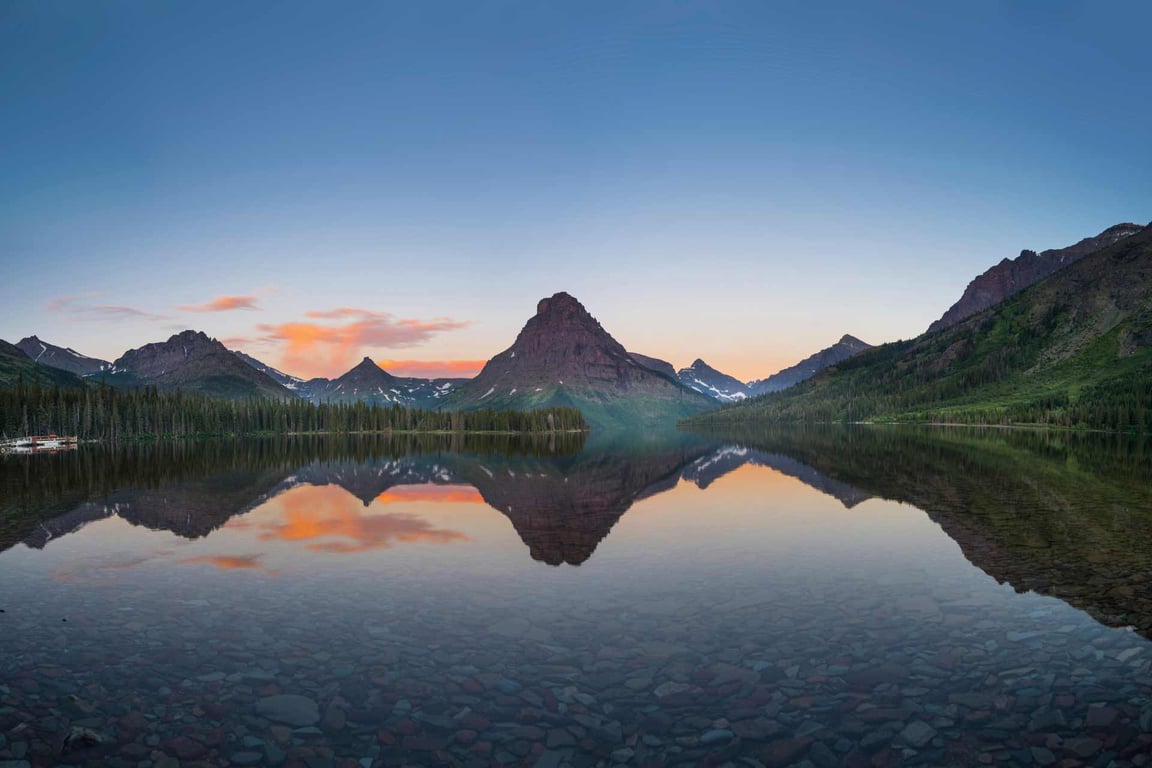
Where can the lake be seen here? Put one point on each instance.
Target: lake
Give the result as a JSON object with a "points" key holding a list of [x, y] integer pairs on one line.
{"points": [[867, 596]]}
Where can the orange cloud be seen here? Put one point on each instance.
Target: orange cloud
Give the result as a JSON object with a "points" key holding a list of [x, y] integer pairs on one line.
{"points": [[329, 519], [433, 369], [227, 562], [435, 494], [223, 304], [316, 349]]}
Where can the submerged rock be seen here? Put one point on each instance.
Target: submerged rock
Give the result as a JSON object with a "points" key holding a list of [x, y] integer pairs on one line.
{"points": [[290, 709]]}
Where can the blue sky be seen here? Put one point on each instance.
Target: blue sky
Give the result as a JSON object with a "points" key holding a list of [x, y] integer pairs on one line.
{"points": [[742, 182]]}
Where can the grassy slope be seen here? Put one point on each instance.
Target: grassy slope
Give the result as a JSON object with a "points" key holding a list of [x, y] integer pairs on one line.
{"points": [[1072, 351]]}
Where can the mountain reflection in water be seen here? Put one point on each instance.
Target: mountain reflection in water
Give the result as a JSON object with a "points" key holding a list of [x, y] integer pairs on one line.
{"points": [[784, 596]]}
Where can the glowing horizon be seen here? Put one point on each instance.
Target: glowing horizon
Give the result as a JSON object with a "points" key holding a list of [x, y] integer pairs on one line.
{"points": [[741, 183]]}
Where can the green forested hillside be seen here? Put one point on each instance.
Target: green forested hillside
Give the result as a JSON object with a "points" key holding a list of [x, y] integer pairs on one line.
{"points": [[1074, 350], [15, 366]]}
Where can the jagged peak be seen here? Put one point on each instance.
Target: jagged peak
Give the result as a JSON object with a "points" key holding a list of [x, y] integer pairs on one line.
{"points": [[850, 339], [190, 335], [1127, 226], [559, 302]]}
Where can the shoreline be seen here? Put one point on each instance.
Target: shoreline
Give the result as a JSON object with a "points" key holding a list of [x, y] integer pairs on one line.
{"points": [[251, 435]]}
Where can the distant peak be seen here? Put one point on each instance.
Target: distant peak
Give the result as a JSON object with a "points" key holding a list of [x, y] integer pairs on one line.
{"points": [[850, 339], [698, 363], [367, 360]]}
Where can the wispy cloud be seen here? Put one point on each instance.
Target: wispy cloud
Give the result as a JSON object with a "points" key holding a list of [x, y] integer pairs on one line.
{"points": [[76, 307], [324, 349], [433, 369], [224, 304]]}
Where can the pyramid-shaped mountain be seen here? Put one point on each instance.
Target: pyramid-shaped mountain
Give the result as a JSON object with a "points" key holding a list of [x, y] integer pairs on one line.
{"points": [[563, 357], [369, 383], [715, 384]]}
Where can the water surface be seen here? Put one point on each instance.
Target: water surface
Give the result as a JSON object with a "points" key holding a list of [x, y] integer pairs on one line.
{"points": [[826, 597]]}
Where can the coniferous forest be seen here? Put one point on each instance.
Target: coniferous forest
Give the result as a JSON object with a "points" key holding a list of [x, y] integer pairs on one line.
{"points": [[110, 414]]}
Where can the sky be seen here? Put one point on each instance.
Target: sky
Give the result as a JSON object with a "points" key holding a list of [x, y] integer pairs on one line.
{"points": [[742, 182]]}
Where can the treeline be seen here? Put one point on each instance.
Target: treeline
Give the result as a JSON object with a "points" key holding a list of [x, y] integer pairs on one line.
{"points": [[109, 414], [985, 376], [1120, 404]]}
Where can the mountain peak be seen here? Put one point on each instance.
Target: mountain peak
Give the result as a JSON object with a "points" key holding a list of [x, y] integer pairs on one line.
{"points": [[850, 339], [563, 356], [190, 335], [559, 303]]}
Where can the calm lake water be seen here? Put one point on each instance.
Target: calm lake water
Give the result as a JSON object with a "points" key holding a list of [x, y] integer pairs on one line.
{"points": [[858, 597]]}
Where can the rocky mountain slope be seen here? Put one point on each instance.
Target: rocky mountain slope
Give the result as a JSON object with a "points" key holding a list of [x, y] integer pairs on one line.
{"points": [[64, 358], [563, 357], [655, 364], [847, 347], [15, 366], [192, 362], [1072, 350], [1011, 276], [708, 381], [287, 380]]}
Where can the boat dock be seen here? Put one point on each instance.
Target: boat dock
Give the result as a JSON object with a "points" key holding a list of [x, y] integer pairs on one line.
{"points": [[39, 444]]}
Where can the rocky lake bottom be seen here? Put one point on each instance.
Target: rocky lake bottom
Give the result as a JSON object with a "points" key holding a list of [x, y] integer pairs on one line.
{"points": [[834, 598]]}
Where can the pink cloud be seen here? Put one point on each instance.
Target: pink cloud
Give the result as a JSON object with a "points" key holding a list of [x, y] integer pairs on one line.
{"points": [[325, 349], [433, 369], [224, 304]]}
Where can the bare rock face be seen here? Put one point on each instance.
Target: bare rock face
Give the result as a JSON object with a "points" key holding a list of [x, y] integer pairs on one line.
{"points": [[193, 362], [563, 343], [157, 359], [1011, 276], [655, 364]]}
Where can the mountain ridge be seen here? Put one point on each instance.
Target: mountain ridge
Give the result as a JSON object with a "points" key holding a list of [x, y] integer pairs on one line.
{"points": [[847, 347], [63, 358], [1010, 276], [1073, 350]]}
